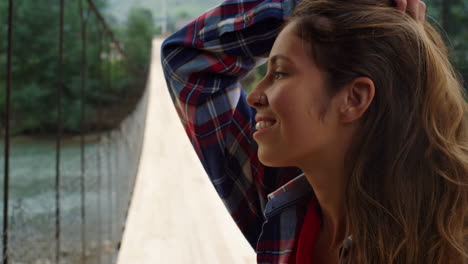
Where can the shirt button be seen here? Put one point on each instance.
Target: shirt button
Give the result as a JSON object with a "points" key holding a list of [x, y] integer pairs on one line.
{"points": [[247, 19]]}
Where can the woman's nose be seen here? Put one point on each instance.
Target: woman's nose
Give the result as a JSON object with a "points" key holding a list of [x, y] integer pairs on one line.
{"points": [[257, 98]]}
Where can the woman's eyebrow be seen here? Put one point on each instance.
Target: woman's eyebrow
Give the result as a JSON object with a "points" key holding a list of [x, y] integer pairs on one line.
{"points": [[276, 57]]}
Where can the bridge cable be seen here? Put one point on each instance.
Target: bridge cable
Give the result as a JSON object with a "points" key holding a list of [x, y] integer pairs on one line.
{"points": [[84, 18], [98, 147], [7, 132], [59, 132], [109, 149]]}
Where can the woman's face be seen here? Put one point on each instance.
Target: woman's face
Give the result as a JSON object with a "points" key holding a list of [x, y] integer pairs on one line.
{"points": [[297, 123]]}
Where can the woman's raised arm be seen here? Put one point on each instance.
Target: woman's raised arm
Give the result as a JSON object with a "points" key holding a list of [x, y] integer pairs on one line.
{"points": [[203, 63]]}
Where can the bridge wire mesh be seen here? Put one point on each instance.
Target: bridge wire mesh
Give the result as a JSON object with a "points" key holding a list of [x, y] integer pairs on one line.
{"points": [[67, 223]]}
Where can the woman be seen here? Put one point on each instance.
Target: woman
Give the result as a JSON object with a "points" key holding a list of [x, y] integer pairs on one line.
{"points": [[359, 97]]}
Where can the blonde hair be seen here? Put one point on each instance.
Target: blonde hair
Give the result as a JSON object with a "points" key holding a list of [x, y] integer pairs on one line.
{"points": [[407, 195]]}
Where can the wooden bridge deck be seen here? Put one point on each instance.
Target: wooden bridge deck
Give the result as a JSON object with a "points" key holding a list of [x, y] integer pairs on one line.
{"points": [[175, 215]]}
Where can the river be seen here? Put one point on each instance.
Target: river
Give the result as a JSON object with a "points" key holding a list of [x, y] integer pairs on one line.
{"points": [[32, 200]]}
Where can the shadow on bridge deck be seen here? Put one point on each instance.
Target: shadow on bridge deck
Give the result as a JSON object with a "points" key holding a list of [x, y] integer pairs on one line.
{"points": [[175, 215]]}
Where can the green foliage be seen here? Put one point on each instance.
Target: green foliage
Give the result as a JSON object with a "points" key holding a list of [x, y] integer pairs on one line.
{"points": [[33, 63], [139, 34], [452, 18], [110, 81], [254, 77]]}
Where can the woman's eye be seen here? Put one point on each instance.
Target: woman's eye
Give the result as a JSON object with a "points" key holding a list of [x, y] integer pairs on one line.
{"points": [[279, 75]]}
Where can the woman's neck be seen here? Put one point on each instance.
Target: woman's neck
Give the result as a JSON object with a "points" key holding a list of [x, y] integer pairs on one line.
{"points": [[329, 188]]}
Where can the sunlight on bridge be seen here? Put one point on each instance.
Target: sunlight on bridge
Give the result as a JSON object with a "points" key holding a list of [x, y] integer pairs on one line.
{"points": [[175, 215]]}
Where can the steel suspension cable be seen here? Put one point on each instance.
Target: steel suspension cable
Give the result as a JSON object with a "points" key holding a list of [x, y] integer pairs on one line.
{"points": [[109, 32], [109, 146], [112, 37], [84, 77], [109, 188], [98, 148], [6, 183], [59, 132]]}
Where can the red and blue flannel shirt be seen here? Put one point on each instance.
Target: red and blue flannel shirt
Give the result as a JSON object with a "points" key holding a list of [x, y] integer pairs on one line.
{"points": [[203, 63]]}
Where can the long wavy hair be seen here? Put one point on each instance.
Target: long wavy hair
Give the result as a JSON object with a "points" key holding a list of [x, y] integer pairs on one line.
{"points": [[407, 195]]}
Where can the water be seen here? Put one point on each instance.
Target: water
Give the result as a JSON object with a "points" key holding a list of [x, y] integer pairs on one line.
{"points": [[32, 200]]}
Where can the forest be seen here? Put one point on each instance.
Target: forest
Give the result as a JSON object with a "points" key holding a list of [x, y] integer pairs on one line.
{"points": [[112, 83]]}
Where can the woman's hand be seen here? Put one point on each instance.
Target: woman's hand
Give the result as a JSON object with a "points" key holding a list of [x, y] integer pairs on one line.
{"points": [[416, 8]]}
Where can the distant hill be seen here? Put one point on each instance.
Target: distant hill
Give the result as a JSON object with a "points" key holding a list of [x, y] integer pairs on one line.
{"points": [[191, 8]]}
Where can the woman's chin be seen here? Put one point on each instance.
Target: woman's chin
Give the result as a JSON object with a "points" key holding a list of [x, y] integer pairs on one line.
{"points": [[271, 159]]}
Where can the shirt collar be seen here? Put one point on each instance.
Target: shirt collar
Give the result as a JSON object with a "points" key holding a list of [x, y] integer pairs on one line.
{"points": [[287, 194]]}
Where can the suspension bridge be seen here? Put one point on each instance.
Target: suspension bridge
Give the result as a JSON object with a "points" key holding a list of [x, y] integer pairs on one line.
{"points": [[138, 194]]}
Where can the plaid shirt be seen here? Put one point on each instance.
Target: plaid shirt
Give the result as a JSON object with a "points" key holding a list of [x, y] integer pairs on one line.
{"points": [[203, 63]]}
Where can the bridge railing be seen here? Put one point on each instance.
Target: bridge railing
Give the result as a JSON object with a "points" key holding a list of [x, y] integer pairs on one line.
{"points": [[65, 200]]}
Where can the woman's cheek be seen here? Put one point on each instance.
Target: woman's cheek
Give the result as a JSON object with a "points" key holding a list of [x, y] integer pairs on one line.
{"points": [[280, 99]]}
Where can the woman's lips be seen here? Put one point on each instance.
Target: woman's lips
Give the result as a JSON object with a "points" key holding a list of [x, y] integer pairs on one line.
{"points": [[263, 128], [264, 124]]}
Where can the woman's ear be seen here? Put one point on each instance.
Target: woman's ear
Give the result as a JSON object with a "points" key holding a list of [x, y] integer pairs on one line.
{"points": [[357, 97]]}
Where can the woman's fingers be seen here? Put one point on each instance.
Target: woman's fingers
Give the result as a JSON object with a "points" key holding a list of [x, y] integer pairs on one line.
{"points": [[422, 11], [401, 4], [416, 8]]}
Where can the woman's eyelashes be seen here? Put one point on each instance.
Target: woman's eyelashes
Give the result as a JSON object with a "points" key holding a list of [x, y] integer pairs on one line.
{"points": [[279, 75], [276, 75]]}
